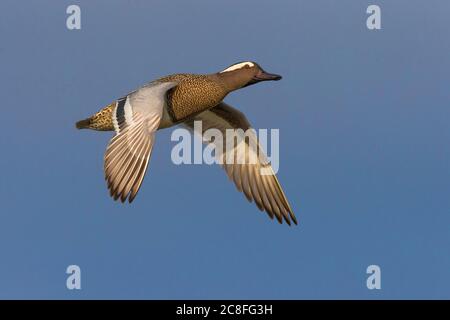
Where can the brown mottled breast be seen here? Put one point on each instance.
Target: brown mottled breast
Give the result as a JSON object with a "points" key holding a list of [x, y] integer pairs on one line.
{"points": [[194, 94]]}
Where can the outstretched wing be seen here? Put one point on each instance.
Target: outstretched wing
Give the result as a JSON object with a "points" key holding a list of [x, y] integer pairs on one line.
{"points": [[136, 117], [247, 175]]}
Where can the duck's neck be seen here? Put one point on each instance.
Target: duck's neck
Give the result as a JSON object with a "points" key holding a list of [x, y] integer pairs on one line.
{"points": [[232, 80]]}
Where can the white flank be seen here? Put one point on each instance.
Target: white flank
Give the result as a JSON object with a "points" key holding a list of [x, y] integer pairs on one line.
{"points": [[114, 118], [128, 112]]}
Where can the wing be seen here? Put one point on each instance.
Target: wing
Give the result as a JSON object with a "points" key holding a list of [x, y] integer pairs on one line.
{"points": [[264, 189], [136, 117]]}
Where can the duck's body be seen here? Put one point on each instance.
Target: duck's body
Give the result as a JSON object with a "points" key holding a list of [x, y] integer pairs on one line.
{"points": [[183, 98], [193, 94]]}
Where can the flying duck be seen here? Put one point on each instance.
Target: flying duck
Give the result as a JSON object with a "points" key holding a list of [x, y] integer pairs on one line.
{"points": [[184, 99]]}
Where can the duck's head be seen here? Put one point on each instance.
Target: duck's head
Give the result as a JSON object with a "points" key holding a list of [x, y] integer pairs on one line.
{"points": [[243, 74]]}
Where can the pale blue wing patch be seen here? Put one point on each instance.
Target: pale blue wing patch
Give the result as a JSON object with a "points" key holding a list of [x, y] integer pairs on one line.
{"points": [[136, 119]]}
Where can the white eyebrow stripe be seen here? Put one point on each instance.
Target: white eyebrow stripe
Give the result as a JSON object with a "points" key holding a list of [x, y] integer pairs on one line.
{"points": [[238, 66]]}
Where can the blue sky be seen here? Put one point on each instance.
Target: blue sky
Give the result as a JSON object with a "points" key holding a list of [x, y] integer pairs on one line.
{"points": [[364, 152]]}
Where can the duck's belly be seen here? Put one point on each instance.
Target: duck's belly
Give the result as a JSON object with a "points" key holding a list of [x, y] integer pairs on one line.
{"points": [[166, 120]]}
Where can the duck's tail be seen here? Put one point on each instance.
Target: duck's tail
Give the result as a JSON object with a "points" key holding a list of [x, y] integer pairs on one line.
{"points": [[83, 124], [101, 121]]}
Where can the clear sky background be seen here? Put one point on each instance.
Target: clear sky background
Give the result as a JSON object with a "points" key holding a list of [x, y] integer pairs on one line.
{"points": [[364, 151]]}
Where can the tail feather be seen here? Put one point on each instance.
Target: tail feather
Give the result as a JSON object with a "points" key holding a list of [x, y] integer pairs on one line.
{"points": [[101, 121], [83, 124]]}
